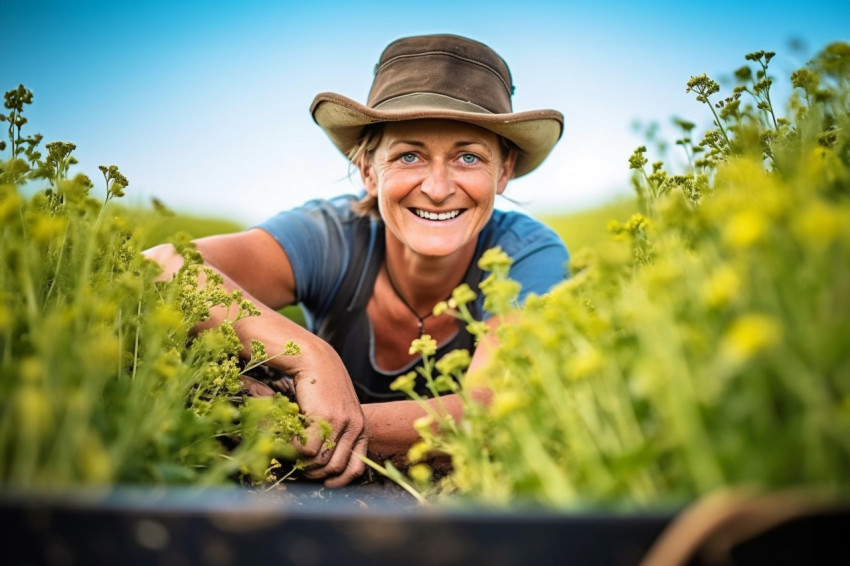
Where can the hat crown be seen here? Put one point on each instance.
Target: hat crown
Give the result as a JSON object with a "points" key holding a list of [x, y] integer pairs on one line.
{"points": [[447, 65]]}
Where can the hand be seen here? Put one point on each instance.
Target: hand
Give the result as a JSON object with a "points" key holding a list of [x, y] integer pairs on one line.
{"points": [[324, 392]]}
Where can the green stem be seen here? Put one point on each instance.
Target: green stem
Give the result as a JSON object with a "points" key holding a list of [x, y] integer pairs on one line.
{"points": [[138, 325], [767, 96], [719, 123], [770, 109], [428, 373], [58, 266], [396, 477]]}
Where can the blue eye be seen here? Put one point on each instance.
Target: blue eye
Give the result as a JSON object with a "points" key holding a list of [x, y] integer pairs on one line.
{"points": [[408, 157], [469, 158]]}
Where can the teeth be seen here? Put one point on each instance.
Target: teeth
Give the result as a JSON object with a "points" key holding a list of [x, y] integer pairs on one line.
{"points": [[436, 215]]}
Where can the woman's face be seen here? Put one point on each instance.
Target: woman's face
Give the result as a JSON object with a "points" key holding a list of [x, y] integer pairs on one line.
{"points": [[436, 183]]}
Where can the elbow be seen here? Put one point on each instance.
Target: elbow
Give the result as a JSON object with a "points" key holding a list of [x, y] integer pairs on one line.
{"points": [[167, 257]]}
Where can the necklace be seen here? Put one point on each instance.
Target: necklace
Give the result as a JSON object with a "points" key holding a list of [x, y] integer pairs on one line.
{"points": [[421, 319]]}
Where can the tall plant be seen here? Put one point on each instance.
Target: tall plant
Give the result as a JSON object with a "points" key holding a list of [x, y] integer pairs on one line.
{"points": [[708, 343], [100, 379]]}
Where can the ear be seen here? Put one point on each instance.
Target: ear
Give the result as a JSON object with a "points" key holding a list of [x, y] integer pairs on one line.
{"points": [[367, 175], [507, 171]]}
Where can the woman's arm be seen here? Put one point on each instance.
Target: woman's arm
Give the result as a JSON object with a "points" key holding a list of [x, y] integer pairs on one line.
{"points": [[253, 262], [390, 424]]}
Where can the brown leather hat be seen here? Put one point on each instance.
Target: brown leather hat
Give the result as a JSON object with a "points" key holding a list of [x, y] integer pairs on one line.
{"points": [[447, 77]]}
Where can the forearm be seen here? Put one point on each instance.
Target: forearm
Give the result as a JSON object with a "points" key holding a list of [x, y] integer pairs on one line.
{"points": [[322, 386], [270, 328], [391, 425]]}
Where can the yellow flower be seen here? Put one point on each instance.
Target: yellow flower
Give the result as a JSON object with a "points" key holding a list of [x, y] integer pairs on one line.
{"points": [[499, 294], [495, 260], [721, 287], [506, 403], [478, 328], [224, 413], [95, 464], [663, 274], [751, 334], [103, 351], [426, 346], [10, 202], [105, 310], [168, 363], [818, 225], [461, 295], [441, 308], [823, 166], [265, 445], [35, 413], [48, 228], [454, 361], [584, 363], [637, 222], [418, 450], [423, 425], [291, 349], [613, 226], [420, 473], [745, 229], [167, 317], [404, 382]]}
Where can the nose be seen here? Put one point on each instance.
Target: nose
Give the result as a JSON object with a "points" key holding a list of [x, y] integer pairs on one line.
{"points": [[438, 185]]}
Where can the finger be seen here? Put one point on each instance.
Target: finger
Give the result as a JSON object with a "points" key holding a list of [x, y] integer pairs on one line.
{"points": [[311, 449], [332, 458], [255, 388], [355, 468], [317, 468], [339, 456], [285, 386]]}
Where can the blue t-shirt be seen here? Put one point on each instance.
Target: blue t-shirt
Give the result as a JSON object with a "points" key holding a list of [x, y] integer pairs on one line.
{"points": [[330, 248]]}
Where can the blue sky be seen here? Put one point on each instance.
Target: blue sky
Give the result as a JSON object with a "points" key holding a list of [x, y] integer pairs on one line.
{"points": [[205, 104]]}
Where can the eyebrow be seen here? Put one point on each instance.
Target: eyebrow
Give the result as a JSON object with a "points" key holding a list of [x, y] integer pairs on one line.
{"points": [[416, 143]]}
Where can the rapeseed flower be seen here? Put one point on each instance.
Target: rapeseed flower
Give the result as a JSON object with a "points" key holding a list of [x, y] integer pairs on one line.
{"points": [[746, 229], [751, 334], [721, 287], [424, 346]]}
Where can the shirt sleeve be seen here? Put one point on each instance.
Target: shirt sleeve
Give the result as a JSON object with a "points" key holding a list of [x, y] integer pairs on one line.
{"points": [[540, 258], [314, 238]]}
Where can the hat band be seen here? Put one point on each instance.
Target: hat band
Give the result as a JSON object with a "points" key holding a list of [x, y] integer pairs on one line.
{"points": [[429, 101], [455, 77]]}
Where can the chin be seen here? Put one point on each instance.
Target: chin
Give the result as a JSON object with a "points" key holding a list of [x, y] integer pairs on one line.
{"points": [[437, 249]]}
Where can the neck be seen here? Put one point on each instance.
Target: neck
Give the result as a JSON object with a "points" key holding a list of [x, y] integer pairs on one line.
{"points": [[423, 281]]}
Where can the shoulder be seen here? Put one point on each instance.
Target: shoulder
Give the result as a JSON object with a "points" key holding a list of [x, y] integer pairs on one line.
{"points": [[540, 258], [320, 214], [320, 238], [519, 234]]}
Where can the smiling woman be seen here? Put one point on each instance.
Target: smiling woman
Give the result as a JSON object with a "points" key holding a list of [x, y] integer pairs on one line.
{"points": [[434, 145], [435, 183]]}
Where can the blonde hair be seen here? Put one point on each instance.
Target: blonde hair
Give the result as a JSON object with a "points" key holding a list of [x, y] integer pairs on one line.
{"points": [[365, 148]]}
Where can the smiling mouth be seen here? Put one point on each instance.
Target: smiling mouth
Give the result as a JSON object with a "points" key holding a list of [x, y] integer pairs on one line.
{"points": [[436, 215]]}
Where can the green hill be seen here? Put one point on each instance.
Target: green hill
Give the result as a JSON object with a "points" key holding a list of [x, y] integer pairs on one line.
{"points": [[586, 227]]}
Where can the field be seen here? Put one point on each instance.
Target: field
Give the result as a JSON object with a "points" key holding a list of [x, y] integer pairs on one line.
{"points": [[702, 342]]}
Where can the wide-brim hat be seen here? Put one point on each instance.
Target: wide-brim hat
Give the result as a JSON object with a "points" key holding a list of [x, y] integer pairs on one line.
{"points": [[443, 77]]}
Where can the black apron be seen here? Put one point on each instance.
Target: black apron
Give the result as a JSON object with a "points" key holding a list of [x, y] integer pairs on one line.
{"points": [[347, 328]]}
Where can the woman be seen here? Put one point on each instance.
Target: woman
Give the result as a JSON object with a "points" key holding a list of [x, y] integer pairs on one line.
{"points": [[434, 145]]}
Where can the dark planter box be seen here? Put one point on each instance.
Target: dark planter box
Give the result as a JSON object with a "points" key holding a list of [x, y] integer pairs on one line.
{"points": [[356, 525]]}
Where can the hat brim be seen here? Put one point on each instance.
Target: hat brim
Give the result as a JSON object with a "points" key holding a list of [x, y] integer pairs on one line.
{"points": [[535, 132]]}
